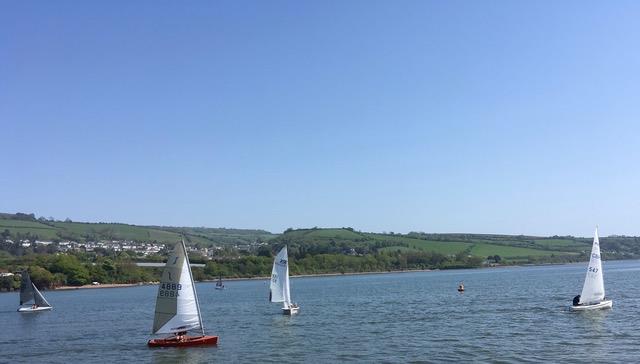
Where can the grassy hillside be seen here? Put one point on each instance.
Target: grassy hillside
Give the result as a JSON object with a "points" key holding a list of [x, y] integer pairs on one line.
{"points": [[82, 231], [303, 242], [508, 247]]}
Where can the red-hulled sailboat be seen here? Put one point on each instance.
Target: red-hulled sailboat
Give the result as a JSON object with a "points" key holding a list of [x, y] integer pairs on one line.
{"points": [[177, 308]]}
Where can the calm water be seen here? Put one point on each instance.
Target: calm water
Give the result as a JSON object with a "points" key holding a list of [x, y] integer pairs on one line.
{"points": [[506, 315]]}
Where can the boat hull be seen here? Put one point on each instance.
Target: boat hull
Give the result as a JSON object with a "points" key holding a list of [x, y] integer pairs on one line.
{"points": [[219, 287], [38, 309], [290, 311], [187, 341], [597, 306]]}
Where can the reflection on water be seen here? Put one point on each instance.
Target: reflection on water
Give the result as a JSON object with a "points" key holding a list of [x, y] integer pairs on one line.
{"points": [[179, 355], [508, 314]]}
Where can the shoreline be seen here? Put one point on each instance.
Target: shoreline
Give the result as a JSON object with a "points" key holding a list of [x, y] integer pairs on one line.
{"points": [[125, 285], [106, 285], [315, 275]]}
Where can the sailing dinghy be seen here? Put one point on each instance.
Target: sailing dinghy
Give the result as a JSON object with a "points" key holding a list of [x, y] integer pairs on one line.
{"points": [[29, 292], [279, 289], [177, 308], [592, 296], [219, 284]]}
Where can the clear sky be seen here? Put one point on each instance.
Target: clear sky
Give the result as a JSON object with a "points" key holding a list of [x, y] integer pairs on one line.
{"points": [[516, 117]]}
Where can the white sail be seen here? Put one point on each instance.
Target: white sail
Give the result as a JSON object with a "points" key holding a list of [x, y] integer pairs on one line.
{"points": [[593, 289], [280, 279], [177, 303]]}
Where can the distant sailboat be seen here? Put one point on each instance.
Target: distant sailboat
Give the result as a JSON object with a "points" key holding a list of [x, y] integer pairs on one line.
{"points": [[279, 289], [219, 284], [592, 296], [177, 308], [29, 292]]}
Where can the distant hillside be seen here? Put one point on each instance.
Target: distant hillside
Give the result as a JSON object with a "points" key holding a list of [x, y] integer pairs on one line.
{"points": [[347, 241], [510, 248], [245, 254], [26, 226]]}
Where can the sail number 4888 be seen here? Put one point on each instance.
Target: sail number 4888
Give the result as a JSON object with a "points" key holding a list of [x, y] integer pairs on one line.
{"points": [[169, 289]]}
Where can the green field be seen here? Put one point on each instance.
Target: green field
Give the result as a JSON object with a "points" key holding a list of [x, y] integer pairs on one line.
{"points": [[43, 231], [477, 245], [81, 231]]}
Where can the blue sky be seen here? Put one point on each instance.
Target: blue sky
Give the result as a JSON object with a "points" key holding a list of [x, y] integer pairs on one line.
{"points": [[437, 116]]}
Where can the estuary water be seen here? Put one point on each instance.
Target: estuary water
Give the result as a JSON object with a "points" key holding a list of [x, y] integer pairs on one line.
{"points": [[516, 314]]}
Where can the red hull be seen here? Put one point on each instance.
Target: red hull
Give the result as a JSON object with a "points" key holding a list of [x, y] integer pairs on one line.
{"points": [[187, 341]]}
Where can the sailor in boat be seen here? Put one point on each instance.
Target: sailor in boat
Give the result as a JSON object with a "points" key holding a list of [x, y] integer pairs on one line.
{"points": [[34, 306], [576, 300], [461, 287], [181, 336]]}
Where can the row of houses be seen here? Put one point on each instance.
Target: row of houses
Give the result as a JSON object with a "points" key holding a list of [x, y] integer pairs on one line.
{"points": [[140, 248]]}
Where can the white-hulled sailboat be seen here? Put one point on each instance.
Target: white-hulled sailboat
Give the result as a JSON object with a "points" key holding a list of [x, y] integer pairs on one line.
{"points": [[592, 296], [29, 292], [177, 309], [279, 289]]}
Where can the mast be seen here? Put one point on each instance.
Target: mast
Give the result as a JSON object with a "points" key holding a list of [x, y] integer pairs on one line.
{"points": [[193, 285]]}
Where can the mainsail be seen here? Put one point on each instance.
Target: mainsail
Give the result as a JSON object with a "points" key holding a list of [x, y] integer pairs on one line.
{"points": [[280, 279], [593, 289], [26, 288], [177, 303]]}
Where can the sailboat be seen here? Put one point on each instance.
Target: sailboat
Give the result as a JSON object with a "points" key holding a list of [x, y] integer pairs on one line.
{"points": [[279, 289], [177, 308], [592, 296], [219, 284], [29, 292]]}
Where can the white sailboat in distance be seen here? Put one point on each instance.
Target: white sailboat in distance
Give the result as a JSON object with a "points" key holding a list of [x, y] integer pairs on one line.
{"points": [[592, 296], [177, 308], [29, 292], [279, 288]]}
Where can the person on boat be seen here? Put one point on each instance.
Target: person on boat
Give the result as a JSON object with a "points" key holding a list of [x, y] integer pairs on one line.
{"points": [[461, 287], [576, 300], [34, 306], [181, 336]]}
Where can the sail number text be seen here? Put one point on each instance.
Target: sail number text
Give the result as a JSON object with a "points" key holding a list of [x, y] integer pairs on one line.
{"points": [[169, 290], [592, 269]]}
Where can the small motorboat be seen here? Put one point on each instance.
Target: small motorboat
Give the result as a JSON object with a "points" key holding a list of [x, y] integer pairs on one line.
{"points": [[184, 341]]}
